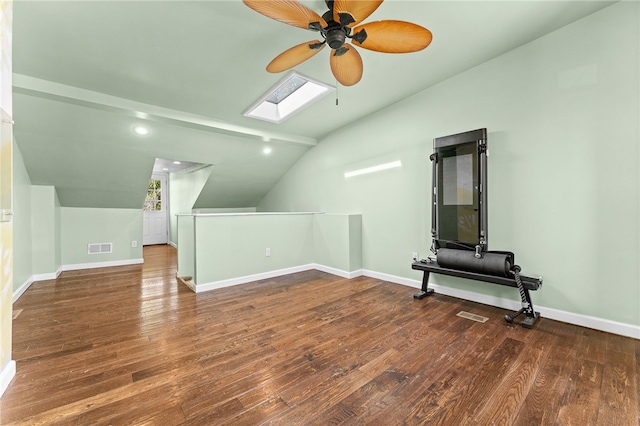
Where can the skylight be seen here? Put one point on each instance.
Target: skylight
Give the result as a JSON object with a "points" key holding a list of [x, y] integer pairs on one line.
{"points": [[292, 94]]}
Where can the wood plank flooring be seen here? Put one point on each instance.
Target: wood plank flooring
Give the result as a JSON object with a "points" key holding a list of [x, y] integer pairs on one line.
{"points": [[129, 345]]}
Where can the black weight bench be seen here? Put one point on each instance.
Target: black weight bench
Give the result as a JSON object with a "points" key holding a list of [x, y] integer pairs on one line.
{"points": [[528, 283]]}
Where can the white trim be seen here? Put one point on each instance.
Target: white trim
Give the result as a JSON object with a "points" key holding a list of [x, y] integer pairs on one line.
{"points": [[596, 323], [199, 288], [392, 278], [20, 290], [172, 244], [602, 324], [338, 272], [54, 275], [107, 264], [148, 216], [189, 284], [6, 375], [248, 214], [192, 169], [49, 276]]}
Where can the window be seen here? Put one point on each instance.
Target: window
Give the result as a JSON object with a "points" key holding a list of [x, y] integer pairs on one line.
{"points": [[153, 202]]}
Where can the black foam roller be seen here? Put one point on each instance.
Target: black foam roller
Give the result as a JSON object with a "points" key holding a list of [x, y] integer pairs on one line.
{"points": [[496, 264]]}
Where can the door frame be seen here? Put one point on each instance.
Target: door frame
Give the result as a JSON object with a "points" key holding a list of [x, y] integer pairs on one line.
{"points": [[164, 178]]}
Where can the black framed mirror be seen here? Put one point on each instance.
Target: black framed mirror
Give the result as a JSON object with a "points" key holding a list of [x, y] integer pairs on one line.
{"points": [[459, 209]]}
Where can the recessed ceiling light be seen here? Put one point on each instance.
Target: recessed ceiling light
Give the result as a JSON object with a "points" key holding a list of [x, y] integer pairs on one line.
{"points": [[140, 130], [290, 95], [266, 150], [176, 162]]}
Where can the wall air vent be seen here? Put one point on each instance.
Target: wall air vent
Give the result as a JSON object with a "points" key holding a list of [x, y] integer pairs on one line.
{"points": [[99, 248]]}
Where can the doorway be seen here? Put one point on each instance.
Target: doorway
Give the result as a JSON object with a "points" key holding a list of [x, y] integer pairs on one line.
{"points": [[154, 220]]}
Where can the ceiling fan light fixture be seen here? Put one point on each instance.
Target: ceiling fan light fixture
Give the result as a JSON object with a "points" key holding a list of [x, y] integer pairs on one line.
{"points": [[292, 94]]}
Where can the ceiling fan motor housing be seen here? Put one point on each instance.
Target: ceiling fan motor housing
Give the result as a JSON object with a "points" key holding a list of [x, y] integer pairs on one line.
{"points": [[336, 38]]}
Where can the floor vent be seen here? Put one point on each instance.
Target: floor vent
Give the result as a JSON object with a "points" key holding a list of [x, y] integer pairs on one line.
{"points": [[473, 317], [100, 248]]}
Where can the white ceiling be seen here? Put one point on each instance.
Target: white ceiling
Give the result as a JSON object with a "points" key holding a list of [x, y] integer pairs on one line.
{"points": [[164, 166], [85, 72]]}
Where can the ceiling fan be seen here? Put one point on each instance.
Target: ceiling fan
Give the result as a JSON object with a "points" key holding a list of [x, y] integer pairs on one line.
{"points": [[336, 26]]}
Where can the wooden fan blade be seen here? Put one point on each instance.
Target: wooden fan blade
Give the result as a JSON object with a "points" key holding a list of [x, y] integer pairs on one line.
{"points": [[358, 9], [346, 67], [392, 36], [294, 56], [288, 11]]}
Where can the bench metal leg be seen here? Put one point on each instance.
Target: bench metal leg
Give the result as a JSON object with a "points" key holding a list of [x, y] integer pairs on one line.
{"points": [[425, 290], [531, 316]]}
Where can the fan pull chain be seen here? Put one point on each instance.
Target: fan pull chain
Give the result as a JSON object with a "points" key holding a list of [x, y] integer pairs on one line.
{"points": [[337, 85]]}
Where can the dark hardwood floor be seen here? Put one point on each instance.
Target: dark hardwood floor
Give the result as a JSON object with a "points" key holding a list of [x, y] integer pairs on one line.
{"points": [[129, 345]]}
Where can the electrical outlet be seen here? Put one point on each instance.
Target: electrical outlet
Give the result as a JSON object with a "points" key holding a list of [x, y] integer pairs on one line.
{"points": [[267, 252], [134, 244], [414, 256]]}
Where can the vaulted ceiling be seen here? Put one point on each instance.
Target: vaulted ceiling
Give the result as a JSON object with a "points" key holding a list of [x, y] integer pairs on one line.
{"points": [[87, 72]]}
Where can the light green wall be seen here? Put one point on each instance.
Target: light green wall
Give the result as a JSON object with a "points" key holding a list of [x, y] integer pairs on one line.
{"points": [[186, 253], [82, 226], [355, 242], [337, 242], [234, 246], [45, 230], [562, 115], [22, 244], [184, 189], [57, 230], [216, 249], [49, 237]]}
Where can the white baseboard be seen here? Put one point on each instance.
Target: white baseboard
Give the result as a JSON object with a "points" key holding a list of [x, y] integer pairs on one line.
{"points": [[53, 275], [49, 276], [189, 284], [199, 288], [271, 274], [6, 375], [338, 272], [107, 264], [391, 278], [20, 290], [33, 278], [595, 323], [172, 244]]}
